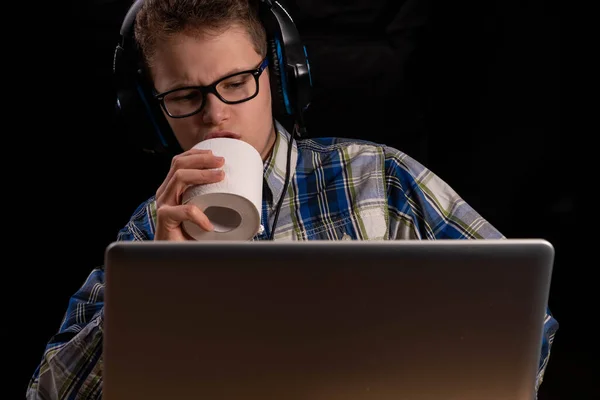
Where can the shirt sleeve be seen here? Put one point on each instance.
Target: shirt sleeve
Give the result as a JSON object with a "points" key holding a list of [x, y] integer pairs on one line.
{"points": [[141, 225], [423, 206], [71, 366]]}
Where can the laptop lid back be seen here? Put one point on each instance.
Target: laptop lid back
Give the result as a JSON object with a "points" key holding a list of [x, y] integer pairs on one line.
{"points": [[418, 320]]}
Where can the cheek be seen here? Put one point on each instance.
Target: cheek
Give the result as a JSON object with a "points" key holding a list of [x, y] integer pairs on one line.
{"points": [[263, 103], [181, 129], [265, 89], [257, 110]]}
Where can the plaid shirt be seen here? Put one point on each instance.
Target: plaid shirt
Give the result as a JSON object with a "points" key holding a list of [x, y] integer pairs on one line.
{"points": [[340, 190]]}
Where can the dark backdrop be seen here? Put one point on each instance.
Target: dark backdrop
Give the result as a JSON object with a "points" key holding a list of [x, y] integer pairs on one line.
{"points": [[470, 89]]}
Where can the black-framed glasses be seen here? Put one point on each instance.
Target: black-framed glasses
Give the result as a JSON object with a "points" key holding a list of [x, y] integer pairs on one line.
{"points": [[231, 89]]}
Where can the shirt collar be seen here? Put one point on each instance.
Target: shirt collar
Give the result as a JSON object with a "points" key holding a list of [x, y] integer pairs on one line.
{"points": [[275, 166]]}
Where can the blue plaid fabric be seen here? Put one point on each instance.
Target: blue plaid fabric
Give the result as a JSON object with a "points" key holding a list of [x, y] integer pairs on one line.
{"points": [[340, 189]]}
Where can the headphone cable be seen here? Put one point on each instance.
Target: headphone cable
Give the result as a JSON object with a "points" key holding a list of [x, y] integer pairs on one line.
{"points": [[298, 127]]}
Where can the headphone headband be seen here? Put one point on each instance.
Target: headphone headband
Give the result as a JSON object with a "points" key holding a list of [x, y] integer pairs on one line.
{"points": [[129, 20]]}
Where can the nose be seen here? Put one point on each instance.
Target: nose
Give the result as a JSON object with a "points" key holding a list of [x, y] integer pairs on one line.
{"points": [[215, 111]]}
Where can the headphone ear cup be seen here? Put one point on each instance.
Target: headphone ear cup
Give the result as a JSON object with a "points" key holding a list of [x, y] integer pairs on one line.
{"points": [[136, 111], [133, 116], [278, 81]]}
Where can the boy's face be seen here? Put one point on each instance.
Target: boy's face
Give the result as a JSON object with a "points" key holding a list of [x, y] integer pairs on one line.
{"points": [[200, 60]]}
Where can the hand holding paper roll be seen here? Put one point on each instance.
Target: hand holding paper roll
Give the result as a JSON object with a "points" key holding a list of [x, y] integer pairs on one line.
{"points": [[234, 204], [193, 167], [212, 192]]}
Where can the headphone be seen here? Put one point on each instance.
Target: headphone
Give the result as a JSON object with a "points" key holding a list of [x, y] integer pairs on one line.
{"points": [[289, 71]]}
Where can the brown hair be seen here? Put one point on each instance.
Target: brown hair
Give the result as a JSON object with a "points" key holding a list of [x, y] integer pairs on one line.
{"points": [[157, 20]]}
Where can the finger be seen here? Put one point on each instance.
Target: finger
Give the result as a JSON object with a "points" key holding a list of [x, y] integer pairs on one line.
{"points": [[171, 217], [183, 178], [176, 163], [196, 159]]}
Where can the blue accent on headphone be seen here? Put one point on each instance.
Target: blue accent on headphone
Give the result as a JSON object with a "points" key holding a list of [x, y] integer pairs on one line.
{"points": [[308, 65], [151, 115], [286, 100]]}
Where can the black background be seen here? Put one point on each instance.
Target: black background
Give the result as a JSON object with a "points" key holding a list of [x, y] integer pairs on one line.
{"points": [[471, 89]]}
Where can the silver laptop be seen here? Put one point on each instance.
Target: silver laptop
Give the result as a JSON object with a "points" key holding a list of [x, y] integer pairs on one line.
{"points": [[411, 320]]}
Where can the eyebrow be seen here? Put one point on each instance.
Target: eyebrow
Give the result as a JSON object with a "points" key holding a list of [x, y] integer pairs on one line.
{"points": [[187, 83]]}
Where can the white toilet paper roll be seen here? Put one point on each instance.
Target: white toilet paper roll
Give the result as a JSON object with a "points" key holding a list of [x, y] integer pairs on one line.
{"points": [[233, 205]]}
